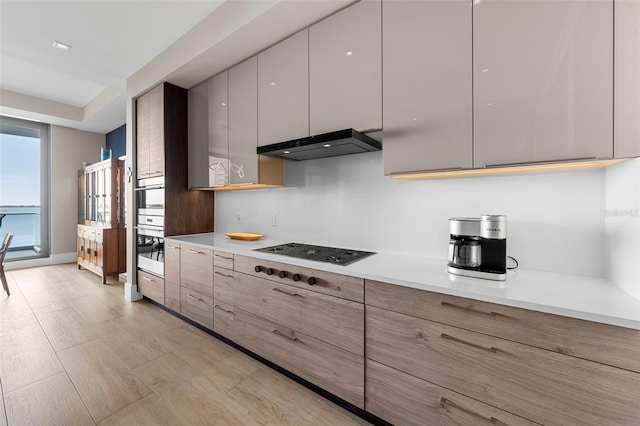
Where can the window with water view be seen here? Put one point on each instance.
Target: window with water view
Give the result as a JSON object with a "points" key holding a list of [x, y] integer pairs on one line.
{"points": [[23, 149]]}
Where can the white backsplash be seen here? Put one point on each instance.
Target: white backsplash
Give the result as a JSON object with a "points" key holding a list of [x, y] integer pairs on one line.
{"points": [[622, 225], [555, 220]]}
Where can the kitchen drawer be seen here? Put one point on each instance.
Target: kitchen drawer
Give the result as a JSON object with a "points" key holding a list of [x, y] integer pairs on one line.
{"points": [[403, 399], [223, 260], [223, 285], [151, 286], [540, 385], [223, 319], [338, 285], [197, 306], [608, 344], [330, 319], [196, 269], [333, 369]]}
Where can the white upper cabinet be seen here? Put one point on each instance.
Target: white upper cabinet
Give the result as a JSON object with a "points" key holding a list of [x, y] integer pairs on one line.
{"points": [[427, 85], [345, 70], [283, 90], [243, 122], [627, 79], [218, 128], [543, 80], [198, 135]]}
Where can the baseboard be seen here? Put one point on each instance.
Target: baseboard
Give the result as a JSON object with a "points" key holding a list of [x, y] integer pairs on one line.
{"points": [[54, 259]]}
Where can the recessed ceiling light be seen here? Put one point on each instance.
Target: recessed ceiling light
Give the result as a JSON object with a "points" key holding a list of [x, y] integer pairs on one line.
{"points": [[273, 83], [61, 46], [287, 152], [223, 104], [349, 53], [327, 145], [485, 70]]}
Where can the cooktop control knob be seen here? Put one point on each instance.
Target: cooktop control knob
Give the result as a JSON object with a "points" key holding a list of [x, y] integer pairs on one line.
{"points": [[283, 274], [258, 268], [295, 277], [312, 281], [269, 271]]}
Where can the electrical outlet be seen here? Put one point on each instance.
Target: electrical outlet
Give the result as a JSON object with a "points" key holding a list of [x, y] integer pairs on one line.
{"points": [[239, 218], [274, 220]]}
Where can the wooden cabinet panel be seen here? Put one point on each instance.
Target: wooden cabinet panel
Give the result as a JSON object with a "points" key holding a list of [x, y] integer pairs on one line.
{"points": [[196, 269], [142, 136], [616, 346], [403, 399], [172, 275], [336, 370], [223, 319], [626, 79], [156, 131], [427, 85], [536, 384], [330, 319], [99, 250], [283, 90], [543, 85], [197, 307], [223, 260], [345, 70], [338, 285], [223, 284], [151, 286], [243, 122]]}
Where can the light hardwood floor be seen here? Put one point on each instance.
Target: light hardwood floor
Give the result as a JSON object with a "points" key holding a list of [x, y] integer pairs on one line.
{"points": [[74, 352]]}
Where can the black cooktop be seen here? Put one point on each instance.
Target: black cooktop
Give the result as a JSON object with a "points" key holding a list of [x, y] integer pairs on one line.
{"points": [[337, 256]]}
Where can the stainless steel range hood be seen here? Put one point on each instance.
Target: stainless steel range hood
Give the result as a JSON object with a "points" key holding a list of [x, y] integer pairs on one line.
{"points": [[342, 142]]}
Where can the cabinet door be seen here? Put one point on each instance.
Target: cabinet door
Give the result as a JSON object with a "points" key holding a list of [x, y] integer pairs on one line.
{"points": [[427, 85], [243, 122], [196, 269], [156, 131], [283, 90], [198, 136], [172, 275], [543, 73], [218, 156], [142, 136], [627, 79], [345, 70]]}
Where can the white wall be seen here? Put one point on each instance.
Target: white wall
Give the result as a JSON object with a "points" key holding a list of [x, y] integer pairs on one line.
{"points": [[69, 148], [555, 220], [622, 224]]}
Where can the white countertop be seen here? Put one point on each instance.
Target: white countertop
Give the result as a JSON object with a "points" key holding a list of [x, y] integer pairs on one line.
{"points": [[588, 298]]}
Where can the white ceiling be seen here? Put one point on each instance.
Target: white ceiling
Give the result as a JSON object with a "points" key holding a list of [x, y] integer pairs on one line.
{"points": [[110, 41]]}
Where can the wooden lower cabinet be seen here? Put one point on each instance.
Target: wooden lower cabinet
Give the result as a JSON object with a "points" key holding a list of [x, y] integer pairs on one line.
{"points": [[333, 320], [537, 384], [403, 399], [197, 307], [223, 317], [100, 250], [333, 369], [223, 284], [196, 269], [172, 275], [151, 286]]}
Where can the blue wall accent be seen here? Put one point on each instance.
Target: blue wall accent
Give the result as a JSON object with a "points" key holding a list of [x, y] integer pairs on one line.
{"points": [[117, 141]]}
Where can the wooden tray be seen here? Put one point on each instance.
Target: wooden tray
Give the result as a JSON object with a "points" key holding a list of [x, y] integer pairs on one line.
{"points": [[244, 236]]}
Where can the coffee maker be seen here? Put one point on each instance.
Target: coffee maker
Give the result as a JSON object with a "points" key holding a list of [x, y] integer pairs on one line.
{"points": [[478, 247]]}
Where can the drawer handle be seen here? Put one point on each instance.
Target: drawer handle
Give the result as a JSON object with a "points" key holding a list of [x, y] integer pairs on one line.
{"points": [[193, 297], [147, 279], [194, 251], [462, 308], [229, 311], [279, 290], [444, 402], [223, 275], [173, 247], [473, 345], [294, 339], [224, 257]]}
